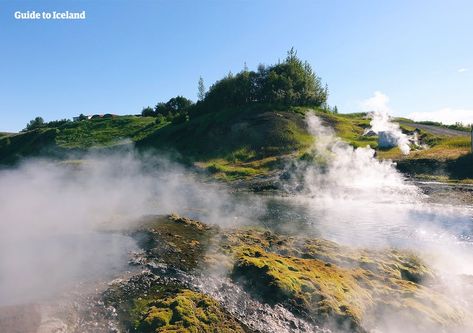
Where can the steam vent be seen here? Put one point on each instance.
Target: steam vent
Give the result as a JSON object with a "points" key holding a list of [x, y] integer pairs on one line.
{"points": [[386, 140]]}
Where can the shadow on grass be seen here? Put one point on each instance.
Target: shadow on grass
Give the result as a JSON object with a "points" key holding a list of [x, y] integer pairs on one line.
{"points": [[461, 168], [457, 169]]}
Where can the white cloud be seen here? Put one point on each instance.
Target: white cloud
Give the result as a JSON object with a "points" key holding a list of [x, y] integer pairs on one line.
{"points": [[462, 70], [377, 103], [445, 115]]}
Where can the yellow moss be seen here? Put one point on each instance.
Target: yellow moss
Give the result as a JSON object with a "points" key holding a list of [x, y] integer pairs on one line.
{"points": [[185, 311], [332, 282], [317, 287], [157, 317]]}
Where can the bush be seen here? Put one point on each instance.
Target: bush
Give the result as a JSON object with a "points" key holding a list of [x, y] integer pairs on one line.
{"points": [[148, 112], [160, 119], [180, 118], [57, 123]]}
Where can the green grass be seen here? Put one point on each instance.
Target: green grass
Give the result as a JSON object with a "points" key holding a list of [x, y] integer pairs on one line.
{"points": [[224, 170], [32, 143], [249, 133], [235, 143], [350, 128], [4, 134], [105, 132], [456, 142]]}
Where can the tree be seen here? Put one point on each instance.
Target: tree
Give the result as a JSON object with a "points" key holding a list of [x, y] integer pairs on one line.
{"points": [[201, 89], [178, 103], [335, 109], [148, 112], [161, 109], [291, 82], [34, 124], [173, 107]]}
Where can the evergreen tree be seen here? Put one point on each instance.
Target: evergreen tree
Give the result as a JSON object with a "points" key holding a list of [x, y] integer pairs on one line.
{"points": [[201, 89]]}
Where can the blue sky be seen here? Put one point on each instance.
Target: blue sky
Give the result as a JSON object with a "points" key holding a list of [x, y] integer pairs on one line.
{"points": [[130, 54]]}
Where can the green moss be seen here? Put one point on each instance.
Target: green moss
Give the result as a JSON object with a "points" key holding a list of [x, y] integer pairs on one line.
{"points": [[175, 241], [331, 283], [316, 279], [307, 285], [182, 311]]}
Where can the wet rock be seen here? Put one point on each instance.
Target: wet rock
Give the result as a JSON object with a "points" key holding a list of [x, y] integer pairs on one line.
{"points": [[172, 241]]}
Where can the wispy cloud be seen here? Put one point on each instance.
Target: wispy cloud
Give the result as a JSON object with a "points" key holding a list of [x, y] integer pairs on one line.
{"points": [[463, 70], [377, 103], [445, 115]]}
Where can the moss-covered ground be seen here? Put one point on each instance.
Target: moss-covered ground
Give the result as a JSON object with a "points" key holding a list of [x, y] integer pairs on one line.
{"points": [[316, 279], [148, 304], [181, 310]]}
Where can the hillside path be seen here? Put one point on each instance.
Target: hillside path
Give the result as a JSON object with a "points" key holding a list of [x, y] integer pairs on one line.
{"points": [[437, 130]]}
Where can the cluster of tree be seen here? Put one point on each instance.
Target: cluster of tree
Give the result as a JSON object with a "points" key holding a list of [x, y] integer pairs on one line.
{"points": [[288, 83], [291, 82], [39, 122], [176, 109]]}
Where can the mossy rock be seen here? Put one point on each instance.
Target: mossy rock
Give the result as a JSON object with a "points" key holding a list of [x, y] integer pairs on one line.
{"points": [[183, 311], [318, 280], [308, 286], [328, 283], [175, 241]]}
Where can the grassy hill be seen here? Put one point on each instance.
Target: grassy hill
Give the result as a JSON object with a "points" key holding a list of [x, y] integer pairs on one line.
{"points": [[237, 143], [102, 132]]}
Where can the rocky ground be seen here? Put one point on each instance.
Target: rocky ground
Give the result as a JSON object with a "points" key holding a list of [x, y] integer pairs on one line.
{"points": [[452, 194], [317, 282], [193, 277]]}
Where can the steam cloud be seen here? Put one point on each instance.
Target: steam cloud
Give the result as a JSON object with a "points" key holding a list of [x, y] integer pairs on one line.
{"points": [[351, 172], [355, 199], [52, 215], [381, 122]]}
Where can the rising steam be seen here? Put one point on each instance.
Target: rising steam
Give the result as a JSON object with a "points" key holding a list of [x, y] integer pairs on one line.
{"points": [[352, 172], [381, 123], [355, 199], [52, 215]]}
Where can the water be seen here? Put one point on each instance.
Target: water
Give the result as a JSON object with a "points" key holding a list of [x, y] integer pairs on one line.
{"points": [[362, 223]]}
